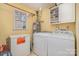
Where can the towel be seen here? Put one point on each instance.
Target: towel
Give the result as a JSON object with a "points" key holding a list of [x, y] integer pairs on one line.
{"points": [[20, 40]]}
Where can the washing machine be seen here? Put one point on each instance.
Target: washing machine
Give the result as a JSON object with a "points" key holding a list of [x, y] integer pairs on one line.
{"points": [[61, 43], [57, 43], [20, 45]]}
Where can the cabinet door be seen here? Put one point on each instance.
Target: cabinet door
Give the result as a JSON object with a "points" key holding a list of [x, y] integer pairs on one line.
{"points": [[67, 12]]}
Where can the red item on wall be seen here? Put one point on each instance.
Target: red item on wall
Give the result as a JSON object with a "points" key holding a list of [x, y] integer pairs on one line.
{"points": [[5, 48], [20, 40], [1, 48]]}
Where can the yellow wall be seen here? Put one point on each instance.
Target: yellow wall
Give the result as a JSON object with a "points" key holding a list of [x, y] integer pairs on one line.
{"points": [[47, 26], [6, 21], [77, 27]]}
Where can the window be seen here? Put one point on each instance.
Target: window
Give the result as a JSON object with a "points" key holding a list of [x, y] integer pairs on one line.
{"points": [[20, 20]]}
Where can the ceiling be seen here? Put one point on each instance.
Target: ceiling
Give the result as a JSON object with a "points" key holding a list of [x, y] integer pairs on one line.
{"points": [[37, 6]]}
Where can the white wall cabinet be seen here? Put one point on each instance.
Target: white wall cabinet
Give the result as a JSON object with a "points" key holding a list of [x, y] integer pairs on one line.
{"points": [[66, 12]]}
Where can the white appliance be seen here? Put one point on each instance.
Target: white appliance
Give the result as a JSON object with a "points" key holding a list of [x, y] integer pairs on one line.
{"points": [[61, 43], [40, 43], [58, 43], [22, 49]]}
